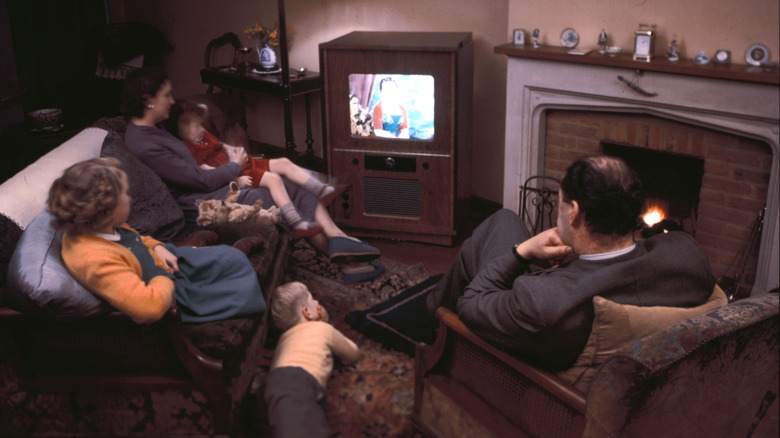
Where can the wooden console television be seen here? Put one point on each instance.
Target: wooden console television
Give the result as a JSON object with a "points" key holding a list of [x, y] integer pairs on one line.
{"points": [[408, 188]]}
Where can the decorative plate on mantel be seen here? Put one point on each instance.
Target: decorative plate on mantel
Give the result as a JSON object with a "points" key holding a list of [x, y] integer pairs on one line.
{"points": [[569, 38], [756, 54]]}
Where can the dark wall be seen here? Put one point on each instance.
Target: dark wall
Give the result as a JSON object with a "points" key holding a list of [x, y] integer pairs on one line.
{"points": [[55, 45], [11, 111]]}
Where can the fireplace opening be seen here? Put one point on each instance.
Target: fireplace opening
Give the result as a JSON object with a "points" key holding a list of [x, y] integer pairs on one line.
{"points": [[671, 182], [739, 182]]}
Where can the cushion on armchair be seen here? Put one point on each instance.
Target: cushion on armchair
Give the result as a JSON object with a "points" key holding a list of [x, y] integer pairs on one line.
{"points": [[40, 284], [154, 211], [618, 325]]}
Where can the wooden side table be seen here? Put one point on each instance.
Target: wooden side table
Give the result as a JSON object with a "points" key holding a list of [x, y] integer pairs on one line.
{"points": [[271, 84]]}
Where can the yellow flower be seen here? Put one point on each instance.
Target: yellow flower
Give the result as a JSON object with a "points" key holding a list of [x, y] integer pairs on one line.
{"points": [[266, 35]]}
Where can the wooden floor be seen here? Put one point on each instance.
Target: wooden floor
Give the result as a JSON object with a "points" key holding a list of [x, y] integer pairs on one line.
{"points": [[435, 258]]}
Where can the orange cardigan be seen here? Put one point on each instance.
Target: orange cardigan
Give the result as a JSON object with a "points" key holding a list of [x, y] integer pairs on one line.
{"points": [[112, 272]]}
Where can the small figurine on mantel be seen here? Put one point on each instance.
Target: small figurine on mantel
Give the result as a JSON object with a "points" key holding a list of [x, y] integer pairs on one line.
{"points": [[673, 51], [535, 39], [603, 41]]}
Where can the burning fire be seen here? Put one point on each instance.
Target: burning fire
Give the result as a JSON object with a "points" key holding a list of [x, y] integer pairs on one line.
{"points": [[654, 213]]}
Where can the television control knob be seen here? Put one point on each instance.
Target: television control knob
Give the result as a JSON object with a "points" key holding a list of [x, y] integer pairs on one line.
{"points": [[389, 162], [355, 161], [425, 165]]}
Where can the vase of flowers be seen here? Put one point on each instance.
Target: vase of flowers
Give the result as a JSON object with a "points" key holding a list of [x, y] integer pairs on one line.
{"points": [[267, 43], [267, 56]]}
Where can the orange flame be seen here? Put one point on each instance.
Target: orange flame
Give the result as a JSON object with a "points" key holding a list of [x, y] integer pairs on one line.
{"points": [[654, 213]]}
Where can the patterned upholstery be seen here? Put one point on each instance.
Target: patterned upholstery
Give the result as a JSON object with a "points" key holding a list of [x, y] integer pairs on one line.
{"points": [[10, 233], [710, 375], [705, 376]]}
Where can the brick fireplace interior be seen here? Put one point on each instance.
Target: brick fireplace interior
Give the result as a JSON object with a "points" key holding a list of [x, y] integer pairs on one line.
{"points": [[671, 182], [733, 185]]}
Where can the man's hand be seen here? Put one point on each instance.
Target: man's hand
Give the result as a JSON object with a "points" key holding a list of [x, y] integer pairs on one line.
{"points": [[205, 166], [169, 260], [546, 245]]}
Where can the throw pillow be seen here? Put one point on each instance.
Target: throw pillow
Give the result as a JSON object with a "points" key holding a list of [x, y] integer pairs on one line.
{"points": [[153, 211], [618, 325], [401, 322], [40, 284]]}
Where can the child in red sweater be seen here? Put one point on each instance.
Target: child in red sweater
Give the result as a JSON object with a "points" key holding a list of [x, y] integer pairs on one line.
{"points": [[209, 153]]}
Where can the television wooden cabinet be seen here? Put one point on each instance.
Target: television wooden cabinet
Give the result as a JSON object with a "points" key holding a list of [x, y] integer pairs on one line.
{"points": [[415, 186]]}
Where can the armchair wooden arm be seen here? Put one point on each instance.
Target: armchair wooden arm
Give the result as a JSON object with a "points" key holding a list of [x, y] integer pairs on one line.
{"points": [[499, 395]]}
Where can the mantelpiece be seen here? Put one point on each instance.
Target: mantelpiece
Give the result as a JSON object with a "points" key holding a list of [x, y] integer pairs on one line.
{"points": [[731, 71], [733, 99]]}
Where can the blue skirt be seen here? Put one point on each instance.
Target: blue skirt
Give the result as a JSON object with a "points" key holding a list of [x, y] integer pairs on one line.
{"points": [[214, 283]]}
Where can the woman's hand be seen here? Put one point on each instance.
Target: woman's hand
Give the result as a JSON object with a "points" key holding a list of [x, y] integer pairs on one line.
{"points": [[169, 260]]}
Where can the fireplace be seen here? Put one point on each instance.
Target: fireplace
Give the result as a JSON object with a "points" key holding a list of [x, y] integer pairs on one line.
{"points": [[693, 173], [671, 182], [558, 111]]}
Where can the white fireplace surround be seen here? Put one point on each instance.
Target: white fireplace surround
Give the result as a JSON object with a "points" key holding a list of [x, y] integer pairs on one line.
{"points": [[747, 109]]}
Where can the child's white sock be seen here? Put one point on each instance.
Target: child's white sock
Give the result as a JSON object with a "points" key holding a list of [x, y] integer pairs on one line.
{"points": [[317, 187], [290, 214]]}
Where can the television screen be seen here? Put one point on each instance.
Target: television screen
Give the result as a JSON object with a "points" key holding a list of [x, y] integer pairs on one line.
{"points": [[391, 106]]}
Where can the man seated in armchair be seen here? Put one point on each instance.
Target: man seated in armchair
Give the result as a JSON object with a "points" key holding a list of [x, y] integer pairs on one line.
{"points": [[544, 315]]}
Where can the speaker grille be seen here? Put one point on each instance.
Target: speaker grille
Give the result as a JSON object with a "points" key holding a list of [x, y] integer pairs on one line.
{"points": [[394, 197]]}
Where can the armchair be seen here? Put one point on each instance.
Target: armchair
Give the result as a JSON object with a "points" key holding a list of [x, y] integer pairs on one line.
{"points": [[711, 375]]}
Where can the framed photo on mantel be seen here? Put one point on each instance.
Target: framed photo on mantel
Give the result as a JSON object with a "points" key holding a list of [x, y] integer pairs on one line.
{"points": [[518, 37]]}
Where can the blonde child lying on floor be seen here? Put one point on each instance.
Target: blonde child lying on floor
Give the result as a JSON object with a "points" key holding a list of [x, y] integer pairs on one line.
{"points": [[302, 363]]}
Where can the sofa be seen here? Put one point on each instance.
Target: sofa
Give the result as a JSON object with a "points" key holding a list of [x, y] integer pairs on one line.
{"points": [[70, 365], [707, 372]]}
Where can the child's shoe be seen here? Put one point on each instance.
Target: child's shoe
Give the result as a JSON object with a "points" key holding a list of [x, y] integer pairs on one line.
{"points": [[305, 229], [331, 193]]}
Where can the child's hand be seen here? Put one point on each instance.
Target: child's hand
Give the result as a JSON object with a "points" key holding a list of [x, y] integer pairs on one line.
{"points": [[237, 155], [205, 166], [169, 260], [244, 181], [323, 314]]}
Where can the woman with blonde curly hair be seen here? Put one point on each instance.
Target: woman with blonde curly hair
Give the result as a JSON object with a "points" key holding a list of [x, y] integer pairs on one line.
{"points": [[141, 276]]}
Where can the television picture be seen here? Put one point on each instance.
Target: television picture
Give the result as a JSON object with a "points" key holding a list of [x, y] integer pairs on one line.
{"points": [[395, 106]]}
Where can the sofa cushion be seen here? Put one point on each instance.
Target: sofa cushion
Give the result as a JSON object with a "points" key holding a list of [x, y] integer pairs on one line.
{"points": [[40, 284], [154, 211], [10, 233], [618, 325]]}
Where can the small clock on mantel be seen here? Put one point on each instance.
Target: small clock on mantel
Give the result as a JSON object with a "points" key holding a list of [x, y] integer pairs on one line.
{"points": [[644, 43]]}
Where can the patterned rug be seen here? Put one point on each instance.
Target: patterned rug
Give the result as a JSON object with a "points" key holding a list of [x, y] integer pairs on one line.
{"points": [[373, 397]]}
